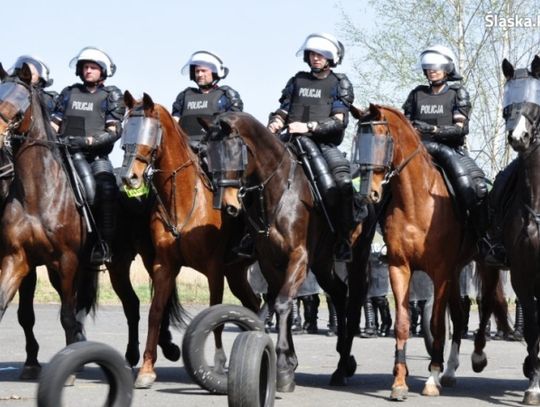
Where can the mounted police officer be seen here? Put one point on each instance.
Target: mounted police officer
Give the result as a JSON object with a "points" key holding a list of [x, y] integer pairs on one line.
{"points": [[89, 116], [206, 70], [40, 78], [315, 107], [440, 112]]}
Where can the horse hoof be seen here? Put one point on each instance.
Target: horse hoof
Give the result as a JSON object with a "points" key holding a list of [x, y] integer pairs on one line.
{"points": [[30, 372], [145, 380], [351, 366], [448, 381], [285, 382], [171, 352], [132, 357], [338, 379], [479, 362], [531, 398], [431, 390], [399, 393]]}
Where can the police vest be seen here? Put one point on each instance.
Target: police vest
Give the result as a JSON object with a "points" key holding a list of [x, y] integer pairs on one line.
{"points": [[90, 107], [196, 104], [437, 110], [312, 98]]}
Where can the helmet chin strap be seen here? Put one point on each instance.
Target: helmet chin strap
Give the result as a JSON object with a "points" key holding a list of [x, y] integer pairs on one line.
{"points": [[437, 83], [319, 70]]}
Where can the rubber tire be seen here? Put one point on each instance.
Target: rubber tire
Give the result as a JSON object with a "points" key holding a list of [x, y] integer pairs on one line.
{"points": [[70, 359], [252, 371], [195, 339]]}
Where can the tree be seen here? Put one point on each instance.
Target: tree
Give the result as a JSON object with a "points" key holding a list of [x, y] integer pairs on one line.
{"points": [[481, 33]]}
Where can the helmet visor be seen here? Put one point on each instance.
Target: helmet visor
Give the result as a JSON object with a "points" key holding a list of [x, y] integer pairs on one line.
{"points": [[16, 95], [521, 91]]}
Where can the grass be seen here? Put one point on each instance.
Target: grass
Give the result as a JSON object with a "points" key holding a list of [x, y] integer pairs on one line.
{"points": [[192, 288]]}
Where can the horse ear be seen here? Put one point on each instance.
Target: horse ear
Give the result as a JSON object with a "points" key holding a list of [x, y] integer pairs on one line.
{"points": [[535, 66], [129, 100], [205, 122], [3, 73], [148, 103], [357, 112], [508, 69], [225, 126], [375, 112], [25, 74]]}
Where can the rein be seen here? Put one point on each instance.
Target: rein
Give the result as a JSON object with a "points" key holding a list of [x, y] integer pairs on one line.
{"points": [[397, 170], [262, 225]]}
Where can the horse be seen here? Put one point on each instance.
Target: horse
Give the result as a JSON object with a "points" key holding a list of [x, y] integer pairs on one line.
{"points": [[422, 231], [185, 228], [520, 221], [40, 223], [291, 234]]}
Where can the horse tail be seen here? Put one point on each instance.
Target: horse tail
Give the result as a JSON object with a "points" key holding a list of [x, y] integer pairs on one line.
{"points": [[178, 316], [87, 291]]}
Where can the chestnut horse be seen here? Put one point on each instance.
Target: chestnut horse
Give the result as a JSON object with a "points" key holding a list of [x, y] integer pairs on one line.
{"points": [[520, 221], [291, 234], [185, 229], [41, 224], [423, 231]]}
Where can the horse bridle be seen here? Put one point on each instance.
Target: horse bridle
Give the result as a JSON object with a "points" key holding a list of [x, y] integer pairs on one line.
{"points": [[22, 106]]}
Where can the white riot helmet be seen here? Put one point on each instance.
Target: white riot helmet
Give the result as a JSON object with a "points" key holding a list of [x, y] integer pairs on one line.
{"points": [[325, 44], [208, 60], [92, 54], [40, 66], [440, 58]]}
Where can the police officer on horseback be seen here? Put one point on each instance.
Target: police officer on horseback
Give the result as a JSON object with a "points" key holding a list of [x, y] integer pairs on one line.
{"points": [[440, 112], [314, 106], [206, 69], [40, 78], [89, 116]]}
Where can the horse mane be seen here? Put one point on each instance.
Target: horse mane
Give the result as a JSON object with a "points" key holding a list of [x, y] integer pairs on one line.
{"points": [[183, 138], [44, 124]]}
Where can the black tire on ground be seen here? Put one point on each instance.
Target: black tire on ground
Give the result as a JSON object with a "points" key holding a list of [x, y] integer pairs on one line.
{"points": [[252, 371], [70, 359], [195, 339]]}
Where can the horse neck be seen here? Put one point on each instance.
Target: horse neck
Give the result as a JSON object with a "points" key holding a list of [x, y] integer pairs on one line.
{"points": [[531, 178]]}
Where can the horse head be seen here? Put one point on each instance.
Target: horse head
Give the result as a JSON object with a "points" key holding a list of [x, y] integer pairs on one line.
{"points": [[15, 102], [141, 137], [372, 152], [521, 104]]}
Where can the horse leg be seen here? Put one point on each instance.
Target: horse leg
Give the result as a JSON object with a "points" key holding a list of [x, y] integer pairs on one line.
{"points": [[121, 283], [163, 281], [216, 286], [440, 291], [448, 379], [400, 279], [14, 269], [531, 364], [286, 358], [27, 319], [236, 274], [489, 277], [73, 329]]}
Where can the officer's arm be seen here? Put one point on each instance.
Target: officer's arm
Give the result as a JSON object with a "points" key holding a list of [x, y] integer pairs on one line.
{"points": [[178, 106], [277, 119], [234, 100]]}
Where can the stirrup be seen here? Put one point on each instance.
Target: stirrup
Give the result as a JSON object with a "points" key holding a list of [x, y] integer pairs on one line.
{"points": [[100, 254], [246, 247]]}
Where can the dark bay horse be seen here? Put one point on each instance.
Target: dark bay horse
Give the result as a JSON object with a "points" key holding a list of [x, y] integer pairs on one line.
{"points": [[423, 231], [41, 224], [185, 228], [520, 221], [291, 234]]}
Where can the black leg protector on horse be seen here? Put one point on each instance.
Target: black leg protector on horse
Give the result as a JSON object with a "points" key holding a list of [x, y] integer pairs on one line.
{"points": [[332, 316], [466, 305], [106, 200], [519, 321], [370, 329], [311, 311]]}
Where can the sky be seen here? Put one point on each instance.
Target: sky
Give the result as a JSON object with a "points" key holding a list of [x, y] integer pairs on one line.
{"points": [[150, 41]]}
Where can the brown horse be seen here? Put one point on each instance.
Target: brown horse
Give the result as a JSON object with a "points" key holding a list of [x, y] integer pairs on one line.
{"points": [[291, 234], [520, 219], [41, 224], [185, 229], [422, 231]]}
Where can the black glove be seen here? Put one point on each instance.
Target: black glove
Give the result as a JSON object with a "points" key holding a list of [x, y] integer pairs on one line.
{"points": [[73, 143], [424, 128]]}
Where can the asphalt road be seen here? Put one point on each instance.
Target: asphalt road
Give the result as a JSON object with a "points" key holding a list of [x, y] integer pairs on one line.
{"points": [[501, 383]]}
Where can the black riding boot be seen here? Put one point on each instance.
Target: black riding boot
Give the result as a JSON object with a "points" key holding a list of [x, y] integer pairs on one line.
{"points": [[106, 219], [519, 322], [296, 326], [332, 317], [381, 303], [370, 330], [466, 305], [311, 309]]}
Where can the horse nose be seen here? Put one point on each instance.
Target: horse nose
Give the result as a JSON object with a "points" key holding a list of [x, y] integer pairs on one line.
{"points": [[374, 196], [233, 211], [131, 180]]}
